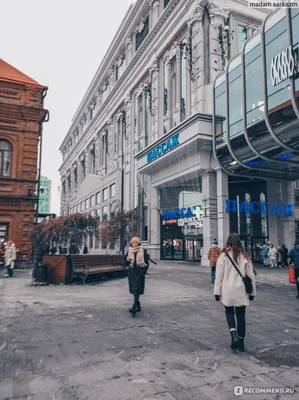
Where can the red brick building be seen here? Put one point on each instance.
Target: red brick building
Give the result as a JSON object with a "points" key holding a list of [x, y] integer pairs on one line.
{"points": [[21, 119]]}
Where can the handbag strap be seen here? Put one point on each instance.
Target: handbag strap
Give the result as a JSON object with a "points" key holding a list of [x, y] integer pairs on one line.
{"points": [[232, 261]]}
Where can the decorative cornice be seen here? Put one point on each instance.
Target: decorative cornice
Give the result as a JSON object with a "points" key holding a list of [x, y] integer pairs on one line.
{"points": [[196, 15]]}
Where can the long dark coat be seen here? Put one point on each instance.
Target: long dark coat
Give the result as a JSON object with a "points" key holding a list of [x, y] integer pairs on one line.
{"points": [[136, 275]]}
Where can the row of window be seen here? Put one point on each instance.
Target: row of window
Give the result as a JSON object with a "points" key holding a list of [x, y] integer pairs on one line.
{"points": [[119, 69], [94, 200]]}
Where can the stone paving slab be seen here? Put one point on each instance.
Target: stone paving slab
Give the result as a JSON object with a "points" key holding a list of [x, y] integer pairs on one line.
{"points": [[80, 343]]}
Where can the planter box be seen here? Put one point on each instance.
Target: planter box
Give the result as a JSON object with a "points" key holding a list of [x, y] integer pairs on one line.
{"points": [[58, 268]]}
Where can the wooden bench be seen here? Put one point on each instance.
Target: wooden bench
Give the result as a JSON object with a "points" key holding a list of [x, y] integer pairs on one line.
{"points": [[84, 265]]}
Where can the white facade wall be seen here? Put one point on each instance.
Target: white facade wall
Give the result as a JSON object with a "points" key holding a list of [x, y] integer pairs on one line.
{"points": [[92, 148]]}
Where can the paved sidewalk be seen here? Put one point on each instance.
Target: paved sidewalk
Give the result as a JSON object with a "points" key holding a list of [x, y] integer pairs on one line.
{"points": [[80, 343]]}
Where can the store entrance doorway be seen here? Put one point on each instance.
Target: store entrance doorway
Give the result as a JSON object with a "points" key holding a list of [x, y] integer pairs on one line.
{"points": [[192, 250], [253, 245], [172, 249]]}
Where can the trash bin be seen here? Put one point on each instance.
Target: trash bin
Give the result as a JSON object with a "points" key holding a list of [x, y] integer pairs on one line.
{"points": [[40, 273]]}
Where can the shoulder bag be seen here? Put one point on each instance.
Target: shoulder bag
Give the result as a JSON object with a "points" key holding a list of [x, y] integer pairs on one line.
{"points": [[245, 278]]}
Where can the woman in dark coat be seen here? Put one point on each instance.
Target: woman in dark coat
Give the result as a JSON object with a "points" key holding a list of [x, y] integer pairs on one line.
{"points": [[137, 260]]}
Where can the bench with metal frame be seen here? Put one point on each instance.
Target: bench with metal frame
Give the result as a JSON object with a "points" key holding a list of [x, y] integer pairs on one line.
{"points": [[84, 265]]}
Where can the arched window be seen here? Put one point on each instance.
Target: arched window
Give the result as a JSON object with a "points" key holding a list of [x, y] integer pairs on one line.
{"points": [[5, 158]]}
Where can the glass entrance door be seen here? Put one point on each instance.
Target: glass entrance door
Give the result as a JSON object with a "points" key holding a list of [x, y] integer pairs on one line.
{"points": [[172, 249], [257, 244], [192, 250]]}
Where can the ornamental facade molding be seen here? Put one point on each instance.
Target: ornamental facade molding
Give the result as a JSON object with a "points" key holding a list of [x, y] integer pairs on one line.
{"points": [[174, 51], [154, 66], [128, 41], [196, 16]]}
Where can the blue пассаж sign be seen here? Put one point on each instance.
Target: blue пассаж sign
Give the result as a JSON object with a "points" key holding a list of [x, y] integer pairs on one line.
{"points": [[255, 207], [163, 148], [179, 213]]}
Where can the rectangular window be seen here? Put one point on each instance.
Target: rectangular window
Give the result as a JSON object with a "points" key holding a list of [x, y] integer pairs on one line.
{"points": [[146, 118], [183, 84], [142, 33], [82, 205], [97, 242], [105, 213], [92, 201], [98, 197], [296, 197], [77, 207], [112, 190], [105, 194], [166, 86], [86, 204], [166, 2], [92, 161], [242, 36]]}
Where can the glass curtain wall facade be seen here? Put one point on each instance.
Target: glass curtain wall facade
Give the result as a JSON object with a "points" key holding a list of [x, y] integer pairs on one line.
{"points": [[256, 116]]}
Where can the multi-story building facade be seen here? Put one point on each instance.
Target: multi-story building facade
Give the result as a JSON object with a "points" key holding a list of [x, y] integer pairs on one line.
{"points": [[142, 135], [45, 190], [21, 118]]}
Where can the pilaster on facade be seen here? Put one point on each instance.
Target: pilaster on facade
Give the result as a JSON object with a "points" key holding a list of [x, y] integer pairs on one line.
{"points": [[129, 48], [154, 11], [218, 50]]}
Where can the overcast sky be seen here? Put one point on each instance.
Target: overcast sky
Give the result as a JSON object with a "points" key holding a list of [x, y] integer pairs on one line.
{"points": [[60, 44]]}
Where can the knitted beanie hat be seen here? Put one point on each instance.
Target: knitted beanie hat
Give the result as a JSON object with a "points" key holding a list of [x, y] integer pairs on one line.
{"points": [[215, 241]]}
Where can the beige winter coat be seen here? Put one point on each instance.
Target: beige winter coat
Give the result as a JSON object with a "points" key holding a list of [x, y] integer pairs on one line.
{"points": [[10, 254], [228, 283]]}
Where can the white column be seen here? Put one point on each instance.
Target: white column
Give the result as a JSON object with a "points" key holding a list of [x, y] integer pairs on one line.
{"points": [[223, 216], [154, 222], [209, 202]]}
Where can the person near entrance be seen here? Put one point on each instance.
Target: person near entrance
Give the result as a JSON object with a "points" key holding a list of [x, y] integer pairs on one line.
{"points": [[273, 256], [9, 258], [213, 254], [294, 259], [138, 261], [230, 288]]}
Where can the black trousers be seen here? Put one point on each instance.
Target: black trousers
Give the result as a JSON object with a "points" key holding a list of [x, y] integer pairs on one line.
{"points": [[297, 276], [233, 313]]}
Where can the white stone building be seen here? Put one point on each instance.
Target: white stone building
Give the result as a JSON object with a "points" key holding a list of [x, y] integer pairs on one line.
{"points": [[156, 82]]}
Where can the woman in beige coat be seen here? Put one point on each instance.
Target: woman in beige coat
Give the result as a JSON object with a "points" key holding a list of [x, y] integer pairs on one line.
{"points": [[229, 287], [10, 257]]}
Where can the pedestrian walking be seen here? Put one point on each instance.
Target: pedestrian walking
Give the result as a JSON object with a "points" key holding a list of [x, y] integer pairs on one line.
{"points": [[294, 259], [213, 254], [9, 258], [230, 287], [138, 261], [272, 255], [85, 250], [285, 255], [266, 255]]}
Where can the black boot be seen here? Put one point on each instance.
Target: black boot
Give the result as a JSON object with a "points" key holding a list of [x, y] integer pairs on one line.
{"points": [[133, 309], [138, 307], [235, 340], [241, 344]]}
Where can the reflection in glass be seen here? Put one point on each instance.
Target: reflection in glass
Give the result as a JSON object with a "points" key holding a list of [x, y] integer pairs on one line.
{"points": [[264, 220], [220, 112], [242, 36]]}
